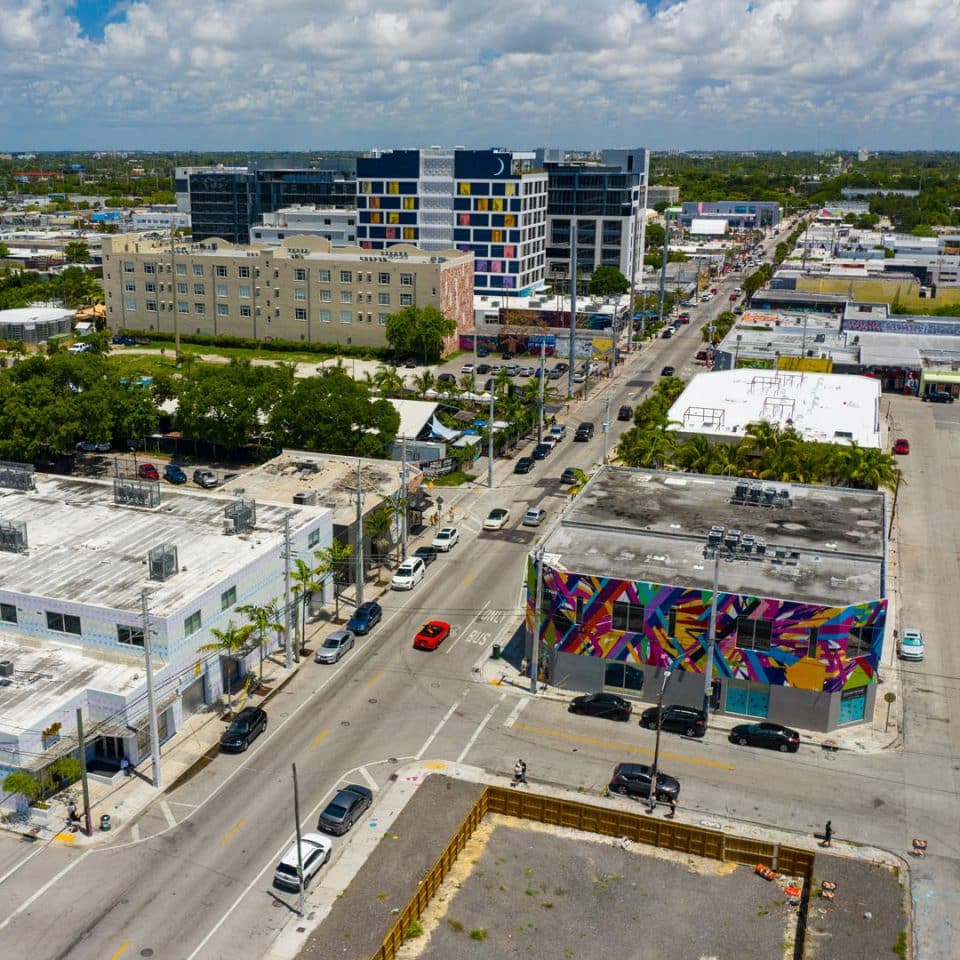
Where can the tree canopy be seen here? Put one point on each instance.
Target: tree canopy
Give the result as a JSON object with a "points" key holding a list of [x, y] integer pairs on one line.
{"points": [[419, 331], [608, 281]]}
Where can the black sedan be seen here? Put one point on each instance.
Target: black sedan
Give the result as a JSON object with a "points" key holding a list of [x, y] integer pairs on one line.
{"points": [[247, 725], [344, 809], [667, 371], [773, 736], [606, 705], [426, 554], [634, 780], [523, 465], [569, 475]]}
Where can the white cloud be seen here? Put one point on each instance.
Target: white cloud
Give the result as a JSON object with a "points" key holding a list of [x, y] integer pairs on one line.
{"points": [[275, 74]]}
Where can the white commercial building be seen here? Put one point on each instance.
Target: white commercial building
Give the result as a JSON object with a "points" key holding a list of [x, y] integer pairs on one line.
{"points": [[821, 407], [336, 224], [35, 324]]}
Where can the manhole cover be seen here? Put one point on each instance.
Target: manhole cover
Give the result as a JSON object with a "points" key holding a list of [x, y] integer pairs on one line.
{"points": [[372, 700], [344, 723], [146, 952]]}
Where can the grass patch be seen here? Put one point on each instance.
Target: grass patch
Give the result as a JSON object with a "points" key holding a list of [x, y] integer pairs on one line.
{"points": [[414, 930], [382, 897], [478, 933], [455, 479], [530, 893], [528, 871], [900, 946], [455, 924], [547, 905]]}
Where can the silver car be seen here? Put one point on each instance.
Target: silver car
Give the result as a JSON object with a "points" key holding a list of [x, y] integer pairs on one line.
{"points": [[334, 647]]}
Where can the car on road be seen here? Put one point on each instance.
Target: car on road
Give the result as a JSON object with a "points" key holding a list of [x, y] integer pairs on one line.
{"points": [[634, 779], [773, 736], [483, 369], [690, 721], [246, 726], [365, 617], [344, 809], [580, 377], [625, 413], [467, 369], [446, 539], [147, 471], [426, 554], [173, 473], [558, 430], [81, 348], [314, 853], [609, 706], [204, 478], [431, 635], [667, 333], [706, 298], [910, 646], [512, 369], [334, 647], [683, 318], [88, 446], [542, 450], [122, 340], [408, 574], [938, 396], [667, 371], [584, 433], [496, 519], [901, 445], [523, 465], [534, 517], [570, 475]]}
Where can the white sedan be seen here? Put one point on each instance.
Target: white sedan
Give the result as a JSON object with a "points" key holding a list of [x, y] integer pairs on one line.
{"points": [[496, 519], [911, 645], [446, 539]]}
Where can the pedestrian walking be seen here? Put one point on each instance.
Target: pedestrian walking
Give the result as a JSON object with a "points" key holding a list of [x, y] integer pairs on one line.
{"points": [[673, 808], [517, 773], [523, 773], [827, 834], [125, 766]]}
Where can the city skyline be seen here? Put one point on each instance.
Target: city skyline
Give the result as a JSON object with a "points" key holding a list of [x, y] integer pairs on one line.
{"points": [[300, 75]]}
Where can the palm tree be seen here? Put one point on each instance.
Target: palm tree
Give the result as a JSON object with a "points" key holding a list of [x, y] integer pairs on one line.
{"points": [[333, 562], [646, 448], [263, 618], [501, 383], [228, 643], [696, 455], [423, 382], [468, 383], [866, 469], [377, 525], [388, 381], [305, 581]]}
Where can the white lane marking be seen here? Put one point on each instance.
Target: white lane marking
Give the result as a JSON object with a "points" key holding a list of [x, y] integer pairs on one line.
{"points": [[39, 849], [462, 630], [167, 813], [436, 730], [371, 783], [56, 878], [479, 730], [135, 832], [515, 713]]}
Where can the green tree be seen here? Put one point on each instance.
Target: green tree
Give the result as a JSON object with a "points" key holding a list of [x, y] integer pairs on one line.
{"points": [[4, 251], [23, 785], [228, 643], [76, 252], [646, 448], [424, 382], [377, 525], [264, 618], [420, 331], [333, 563], [305, 582], [608, 281]]}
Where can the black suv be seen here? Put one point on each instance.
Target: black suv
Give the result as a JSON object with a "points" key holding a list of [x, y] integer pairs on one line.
{"points": [[686, 720], [247, 725], [634, 779], [584, 432], [938, 396], [625, 413]]}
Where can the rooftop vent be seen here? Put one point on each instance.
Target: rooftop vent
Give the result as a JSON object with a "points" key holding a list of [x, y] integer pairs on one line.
{"points": [[162, 561], [305, 498], [13, 536], [241, 515]]}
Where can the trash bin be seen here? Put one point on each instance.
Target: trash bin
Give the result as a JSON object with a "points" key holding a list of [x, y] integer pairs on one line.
{"points": [[105, 822], [496, 651]]}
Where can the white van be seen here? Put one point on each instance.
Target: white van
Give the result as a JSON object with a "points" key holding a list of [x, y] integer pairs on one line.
{"points": [[408, 574]]}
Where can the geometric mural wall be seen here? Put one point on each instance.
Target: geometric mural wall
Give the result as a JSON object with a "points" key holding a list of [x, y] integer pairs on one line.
{"points": [[809, 644]]}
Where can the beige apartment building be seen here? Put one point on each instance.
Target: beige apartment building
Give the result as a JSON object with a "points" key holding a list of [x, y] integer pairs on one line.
{"points": [[304, 290]]}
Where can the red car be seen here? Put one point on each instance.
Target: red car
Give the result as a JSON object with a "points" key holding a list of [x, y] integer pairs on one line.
{"points": [[431, 635], [901, 445], [147, 471]]}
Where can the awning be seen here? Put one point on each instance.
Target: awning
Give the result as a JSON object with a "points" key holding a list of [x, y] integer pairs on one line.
{"points": [[438, 429]]}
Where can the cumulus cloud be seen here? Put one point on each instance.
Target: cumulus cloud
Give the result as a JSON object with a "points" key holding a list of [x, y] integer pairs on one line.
{"points": [[298, 74]]}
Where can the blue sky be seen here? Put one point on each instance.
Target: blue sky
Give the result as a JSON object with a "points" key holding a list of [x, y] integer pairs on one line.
{"points": [[355, 74]]}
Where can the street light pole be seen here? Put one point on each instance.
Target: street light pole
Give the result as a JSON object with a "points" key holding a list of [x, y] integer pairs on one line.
{"points": [[535, 639], [490, 440], [652, 799], [543, 356], [606, 426], [711, 636]]}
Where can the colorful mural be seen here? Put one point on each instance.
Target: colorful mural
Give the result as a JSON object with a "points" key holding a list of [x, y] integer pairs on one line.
{"points": [[577, 618]]}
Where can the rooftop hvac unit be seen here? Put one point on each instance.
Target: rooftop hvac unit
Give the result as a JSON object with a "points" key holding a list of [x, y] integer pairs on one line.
{"points": [[13, 536], [6, 668], [162, 561], [241, 515], [305, 498]]}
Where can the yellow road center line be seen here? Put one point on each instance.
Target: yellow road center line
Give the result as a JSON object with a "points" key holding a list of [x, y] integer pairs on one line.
{"points": [[234, 829], [318, 739], [374, 678], [468, 578], [126, 943], [616, 745]]}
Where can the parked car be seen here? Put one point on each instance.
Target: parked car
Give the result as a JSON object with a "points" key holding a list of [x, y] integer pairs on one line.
{"points": [[147, 471], [684, 318], [314, 853], [523, 465], [408, 574], [173, 473], [584, 432], [88, 446], [534, 517], [483, 351], [344, 809], [246, 726], [483, 369], [938, 396], [910, 646], [334, 647], [679, 719], [580, 377], [446, 539], [774, 736], [81, 348], [667, 333], [550, 440], [426, 554], [554, 374], [541, 451], [633, 779], [525, 371], [609, 706], [446, 378], [901, 445], [512, 369], [496, 519], [431, 635], [625, 413], [667, 371], [365, 617], [558, 430], [569, 475], [122, 340], [468, 368], [204, 478]]}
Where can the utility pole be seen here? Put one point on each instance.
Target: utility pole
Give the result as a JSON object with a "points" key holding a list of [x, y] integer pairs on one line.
{"points": [[572, 352], [543, 356], [490, 442], [83, 774], [535, 639], [296, 817], [712, 635], [151, 694], [287, 639], [359, 537], [663, 265], [403, 498], [652, 800], [606, 426]]}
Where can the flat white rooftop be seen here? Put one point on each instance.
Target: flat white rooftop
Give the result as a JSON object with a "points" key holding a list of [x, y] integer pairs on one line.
{"points": [[823, 407], [84, 548]]}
